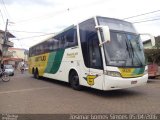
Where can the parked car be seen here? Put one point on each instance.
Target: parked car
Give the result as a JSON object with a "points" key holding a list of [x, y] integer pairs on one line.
{"points": [[9, 69]]}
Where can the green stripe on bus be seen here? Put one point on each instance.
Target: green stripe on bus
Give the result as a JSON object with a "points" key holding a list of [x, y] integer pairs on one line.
{"points": [[50, 62], [138, 71], [54, 61]]}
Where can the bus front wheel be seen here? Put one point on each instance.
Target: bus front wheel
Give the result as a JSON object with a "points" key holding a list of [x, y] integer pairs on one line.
{"points": [[74, 81]]}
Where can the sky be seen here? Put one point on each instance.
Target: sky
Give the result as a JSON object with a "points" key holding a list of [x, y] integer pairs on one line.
{"points": [[32, 21]]}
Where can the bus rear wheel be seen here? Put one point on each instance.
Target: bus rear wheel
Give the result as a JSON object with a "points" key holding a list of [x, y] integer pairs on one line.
{"points": [[74, 81], [36, 74]]}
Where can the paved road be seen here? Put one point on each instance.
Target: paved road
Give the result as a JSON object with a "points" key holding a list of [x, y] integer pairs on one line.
{"points": [[24, 94]]}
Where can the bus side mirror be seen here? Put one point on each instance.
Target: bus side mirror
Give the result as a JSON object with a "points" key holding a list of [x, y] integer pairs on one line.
{"points": [[105, 33]]}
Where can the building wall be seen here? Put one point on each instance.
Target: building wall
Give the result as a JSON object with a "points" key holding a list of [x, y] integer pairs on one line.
{"points": [[19, 53], [147, 45], [1, 39], [4, 46]]}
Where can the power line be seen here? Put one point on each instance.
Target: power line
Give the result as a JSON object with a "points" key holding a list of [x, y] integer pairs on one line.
{"points": [[30, 32], [5, 9], [19, 42], [54, 33], [34, 36], [148, 18], [146, 21], [141, 14], [2, 17]]}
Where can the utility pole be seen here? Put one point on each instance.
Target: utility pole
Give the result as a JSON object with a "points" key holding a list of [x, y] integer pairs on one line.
{"points": [[5, 33], [5, 40]]}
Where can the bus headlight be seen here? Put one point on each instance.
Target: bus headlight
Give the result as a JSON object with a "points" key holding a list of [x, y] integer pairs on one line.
{"points": [[112, 73]]}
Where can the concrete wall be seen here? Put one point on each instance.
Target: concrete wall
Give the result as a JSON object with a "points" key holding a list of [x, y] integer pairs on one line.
{"points": [[18, 53], [147, 45]]}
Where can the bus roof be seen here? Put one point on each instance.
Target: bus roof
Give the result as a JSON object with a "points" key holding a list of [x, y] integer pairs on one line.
{"points": [[77, 24], [113, 19]]}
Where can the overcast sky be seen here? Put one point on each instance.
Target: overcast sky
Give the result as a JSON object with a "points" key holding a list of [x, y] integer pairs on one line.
{"points": [[50, 16]]}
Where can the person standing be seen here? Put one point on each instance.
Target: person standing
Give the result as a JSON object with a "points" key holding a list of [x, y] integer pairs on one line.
{"points": [[22, 66]]}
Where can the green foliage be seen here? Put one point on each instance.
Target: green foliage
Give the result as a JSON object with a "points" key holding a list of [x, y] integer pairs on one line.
{"points": [[153, 55], [157, 39]]}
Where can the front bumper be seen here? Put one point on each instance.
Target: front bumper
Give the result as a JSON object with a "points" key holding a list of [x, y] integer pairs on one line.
{"points": [[114, 83]]}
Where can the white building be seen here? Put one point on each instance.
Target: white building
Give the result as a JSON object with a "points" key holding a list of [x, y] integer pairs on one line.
{"points": [[15, 56]]}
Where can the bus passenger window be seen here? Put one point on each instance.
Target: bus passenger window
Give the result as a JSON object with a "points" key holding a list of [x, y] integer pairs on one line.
{"points": [[61, 42], [46, 47], [55, 44], [71, 38], [94, 52]]}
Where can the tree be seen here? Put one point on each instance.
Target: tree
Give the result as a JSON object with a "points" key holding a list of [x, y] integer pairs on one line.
{"points": [[153, 55], [157, 46]]}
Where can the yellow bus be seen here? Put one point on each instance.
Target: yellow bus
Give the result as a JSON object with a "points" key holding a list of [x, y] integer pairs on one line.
{"points": [[100, 52]]}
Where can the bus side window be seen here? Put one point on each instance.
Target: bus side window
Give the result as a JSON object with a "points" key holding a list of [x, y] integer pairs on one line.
{"points": [[61, 41], [71, 38], [30, 52], [55, 44], [94, 52], [50, 45], [34, 51], [46, 47], [41, 49], [37, 50]]}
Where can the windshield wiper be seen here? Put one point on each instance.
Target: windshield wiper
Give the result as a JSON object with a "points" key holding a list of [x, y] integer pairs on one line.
{"points": [[130, 51], [134, 53]]}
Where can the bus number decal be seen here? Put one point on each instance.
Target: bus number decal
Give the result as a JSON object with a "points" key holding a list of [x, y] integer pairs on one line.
{"points": [[126, 70]]}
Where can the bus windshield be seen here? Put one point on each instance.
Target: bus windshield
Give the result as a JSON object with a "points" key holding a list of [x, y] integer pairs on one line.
{"points": [[125, 48]]}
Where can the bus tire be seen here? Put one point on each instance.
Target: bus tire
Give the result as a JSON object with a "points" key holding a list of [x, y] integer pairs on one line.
{"points": [[36, 74], [74, 80]]}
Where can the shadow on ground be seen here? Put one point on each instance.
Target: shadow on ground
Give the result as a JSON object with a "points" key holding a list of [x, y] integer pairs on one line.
{"points": [[100, 93]]}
